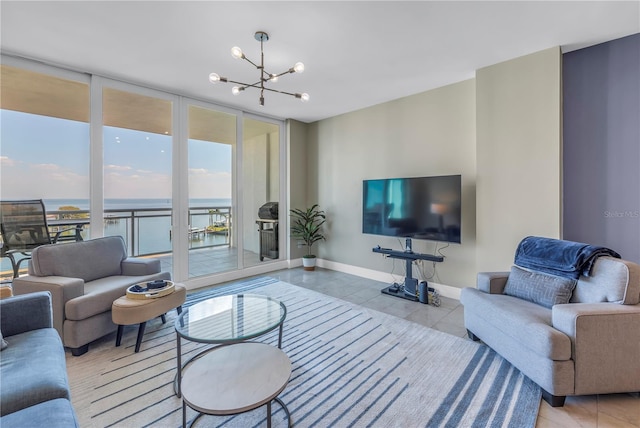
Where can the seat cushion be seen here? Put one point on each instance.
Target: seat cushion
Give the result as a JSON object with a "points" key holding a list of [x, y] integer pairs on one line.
{"points": [[56, 413], [518, 320], [32, 370], [100, 294]]}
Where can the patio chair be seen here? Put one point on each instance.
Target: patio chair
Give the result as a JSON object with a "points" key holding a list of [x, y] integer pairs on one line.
{"points": [[23, 227]]}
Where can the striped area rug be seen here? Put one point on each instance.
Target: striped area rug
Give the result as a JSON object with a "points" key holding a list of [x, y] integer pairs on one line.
{"points": [[352, 367]]}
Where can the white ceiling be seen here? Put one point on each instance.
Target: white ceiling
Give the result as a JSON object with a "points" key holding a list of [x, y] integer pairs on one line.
{"points": [[356, 54]]}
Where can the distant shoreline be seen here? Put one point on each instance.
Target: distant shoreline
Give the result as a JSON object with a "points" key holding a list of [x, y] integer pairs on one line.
{"points": [[132, 203]]}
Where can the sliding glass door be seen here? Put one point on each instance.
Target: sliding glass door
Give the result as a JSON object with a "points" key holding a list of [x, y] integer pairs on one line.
{"points": [[211, 158], [137, 165], [230, 179], [261, 189]]}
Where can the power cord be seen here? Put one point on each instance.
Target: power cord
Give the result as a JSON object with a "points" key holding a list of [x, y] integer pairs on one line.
{"points": [[439, 251], [434, 297], [396, 284]]}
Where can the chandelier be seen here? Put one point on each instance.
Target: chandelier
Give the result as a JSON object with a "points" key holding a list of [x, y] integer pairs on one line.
{"points": [[265, 77]]}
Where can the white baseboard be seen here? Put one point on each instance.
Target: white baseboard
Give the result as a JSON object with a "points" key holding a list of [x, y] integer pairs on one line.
{"points": [[233, 275], [295, 263], [444, 290]]}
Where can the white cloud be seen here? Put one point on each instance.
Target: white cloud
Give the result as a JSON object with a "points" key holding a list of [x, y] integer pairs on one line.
{"points": [[41, 181], [209, 184], [6, 161], [46, 167], [151, 185], [117, 168], [198, 171], [51, 181]]}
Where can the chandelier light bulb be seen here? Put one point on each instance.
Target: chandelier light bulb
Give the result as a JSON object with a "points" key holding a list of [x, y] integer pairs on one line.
{"points": [[298, 67], [214, 78], [236, 52], [304, 97], [235, 90], [273, 78]]}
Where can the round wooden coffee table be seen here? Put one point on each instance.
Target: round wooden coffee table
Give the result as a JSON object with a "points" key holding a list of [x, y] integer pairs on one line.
{"points": [[235, 379]]}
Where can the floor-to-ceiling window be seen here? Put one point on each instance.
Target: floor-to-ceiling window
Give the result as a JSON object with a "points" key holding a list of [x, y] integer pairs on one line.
{"points": [[211, 156], [44, 149], [261, 186], [163, 171], [137, 165]]}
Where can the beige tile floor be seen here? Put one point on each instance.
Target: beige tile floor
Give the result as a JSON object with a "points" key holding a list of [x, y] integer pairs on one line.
{"points": [[614, 410]]}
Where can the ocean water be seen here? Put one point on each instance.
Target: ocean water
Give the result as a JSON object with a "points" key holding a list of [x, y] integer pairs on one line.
{"points": [[151, 234]]}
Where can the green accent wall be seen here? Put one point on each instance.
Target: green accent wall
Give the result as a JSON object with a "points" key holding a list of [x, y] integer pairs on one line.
{"points": [[519, 148]]}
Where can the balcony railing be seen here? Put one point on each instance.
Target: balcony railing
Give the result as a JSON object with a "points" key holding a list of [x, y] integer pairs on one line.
{"points": [[148, 230]]}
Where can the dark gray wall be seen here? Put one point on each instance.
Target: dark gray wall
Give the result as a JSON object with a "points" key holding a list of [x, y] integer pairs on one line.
{"points": [[601, 159]]}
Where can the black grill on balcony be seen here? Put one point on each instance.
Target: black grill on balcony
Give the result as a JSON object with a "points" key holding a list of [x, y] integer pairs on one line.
{"points": [[268, 230], [268, 211]]}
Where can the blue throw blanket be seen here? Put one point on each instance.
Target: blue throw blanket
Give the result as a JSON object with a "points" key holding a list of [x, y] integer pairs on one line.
{"points": [[561, 258]]}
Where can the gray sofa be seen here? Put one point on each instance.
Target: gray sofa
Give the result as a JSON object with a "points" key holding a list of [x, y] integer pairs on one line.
{"points": [[34, 388], [590, 345], [84, 279]]}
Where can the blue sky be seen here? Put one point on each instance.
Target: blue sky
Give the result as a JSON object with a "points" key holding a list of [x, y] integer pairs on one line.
{"points": [[48, 158]]}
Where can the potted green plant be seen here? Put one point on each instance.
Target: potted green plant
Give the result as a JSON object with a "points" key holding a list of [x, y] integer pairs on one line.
{"points": [[307, 226]]}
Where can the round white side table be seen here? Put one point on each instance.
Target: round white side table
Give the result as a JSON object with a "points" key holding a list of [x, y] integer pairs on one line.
{"points": [[235, 379]]}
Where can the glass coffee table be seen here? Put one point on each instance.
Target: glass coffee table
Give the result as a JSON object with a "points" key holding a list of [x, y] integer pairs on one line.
{"points": [[225, 320]]}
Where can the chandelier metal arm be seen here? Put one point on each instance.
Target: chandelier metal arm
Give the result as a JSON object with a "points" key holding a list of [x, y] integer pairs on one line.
{"points": [[282, 92], [257, 86], [251, 62], [265, 77], [246, 85], [291, 70]]}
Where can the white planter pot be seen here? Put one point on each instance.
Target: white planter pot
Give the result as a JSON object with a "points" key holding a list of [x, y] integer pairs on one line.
{"points": [[309, 263]]}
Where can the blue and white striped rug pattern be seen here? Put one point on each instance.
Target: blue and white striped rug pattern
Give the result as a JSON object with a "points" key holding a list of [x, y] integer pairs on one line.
{"points": [[352, 367]]}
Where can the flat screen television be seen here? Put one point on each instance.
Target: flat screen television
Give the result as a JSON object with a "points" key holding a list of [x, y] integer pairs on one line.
{"points": [[418, 207]]}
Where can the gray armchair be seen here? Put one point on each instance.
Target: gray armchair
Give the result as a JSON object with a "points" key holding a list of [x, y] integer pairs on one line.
{"points": [[588, 345], [84, 279]]}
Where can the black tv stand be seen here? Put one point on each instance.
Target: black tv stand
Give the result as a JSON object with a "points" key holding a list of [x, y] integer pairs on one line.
{"points": [[408, 290]]}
